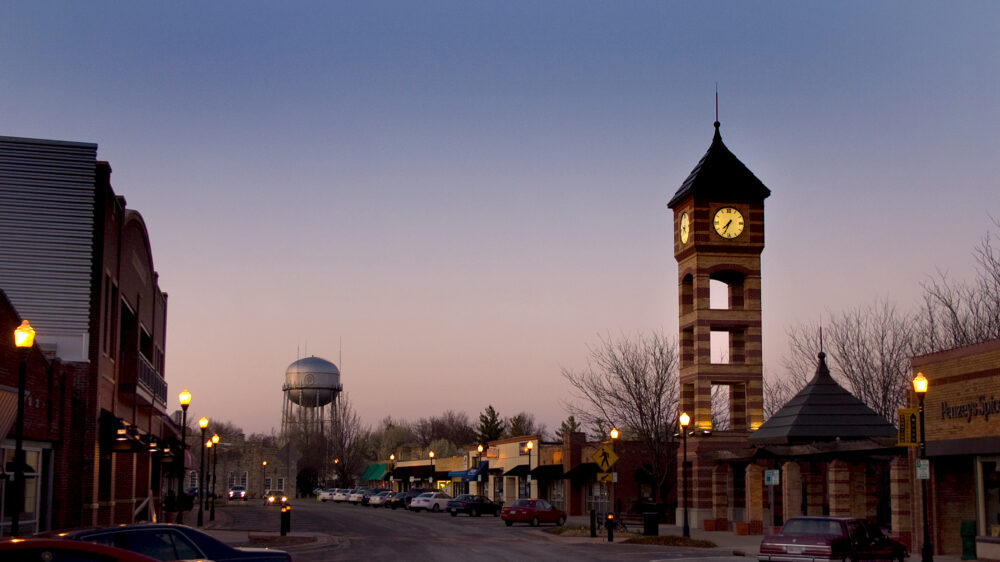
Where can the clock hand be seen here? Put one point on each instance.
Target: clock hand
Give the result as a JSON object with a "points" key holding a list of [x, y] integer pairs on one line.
{"points": [[725, 228]]}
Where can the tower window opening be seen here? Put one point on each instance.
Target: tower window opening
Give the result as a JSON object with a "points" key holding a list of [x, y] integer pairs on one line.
{"points": [[718, 295], [721, 407], [720, 347]]}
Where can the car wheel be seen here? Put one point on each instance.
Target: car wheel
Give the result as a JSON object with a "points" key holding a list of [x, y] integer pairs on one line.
{"points": [[534, 521], [454, 514], [561, 521], [473, 513], [509, 523], [436, 508]]}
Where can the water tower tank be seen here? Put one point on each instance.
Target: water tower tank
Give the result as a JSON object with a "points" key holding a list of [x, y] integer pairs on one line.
{"points": [[312, 382]]}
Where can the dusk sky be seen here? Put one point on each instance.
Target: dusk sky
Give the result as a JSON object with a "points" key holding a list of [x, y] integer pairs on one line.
{"points": [[462, 196]]}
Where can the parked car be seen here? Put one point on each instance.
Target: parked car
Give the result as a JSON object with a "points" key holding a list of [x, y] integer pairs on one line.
{"points": [[274, 497], [237, 493], [341, 495], [534, 511], [473, 505], [378, 500], [356, 495], [325, 494], [403, 499], [367, 496], [175, 542], [55, 550], [830, 538], [430, 501]]}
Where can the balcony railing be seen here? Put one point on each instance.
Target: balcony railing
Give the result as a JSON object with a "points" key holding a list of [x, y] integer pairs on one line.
{"points": [[152, 381]]}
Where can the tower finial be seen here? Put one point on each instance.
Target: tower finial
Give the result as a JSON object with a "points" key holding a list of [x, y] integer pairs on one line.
{"points": [[716, 106], [821, 341]]}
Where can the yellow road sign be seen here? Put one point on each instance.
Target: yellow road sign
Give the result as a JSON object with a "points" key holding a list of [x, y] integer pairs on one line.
{"points": [[604, 477], [605, 458]]}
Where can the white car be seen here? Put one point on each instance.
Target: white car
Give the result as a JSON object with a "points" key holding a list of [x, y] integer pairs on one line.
{"points": [[356, 495], [325, 494], [378, 500], [431, 501], [341, 495]]}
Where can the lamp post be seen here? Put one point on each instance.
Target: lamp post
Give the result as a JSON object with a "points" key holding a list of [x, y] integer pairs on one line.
{"points": [[203, 424], [431, 455], [185, 399], [614, 478], [685, 420], [527, 477], [479, 474], [920, 387], [24, 339], [215, 464], [263, 476]]}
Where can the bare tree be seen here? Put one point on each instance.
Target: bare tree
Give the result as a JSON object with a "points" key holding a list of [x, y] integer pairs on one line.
{"points": [[451, 425], [349, 440], [632, 383], [391, 436]]}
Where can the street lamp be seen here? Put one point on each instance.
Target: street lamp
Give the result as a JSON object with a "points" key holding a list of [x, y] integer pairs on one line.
{"points": [[24, 339], [431, 455], [479, 474], [203, 424], [215, 463], [185, 399], [527, 477], [263, 476], [920, 387], [614, 487], [685, 420]]}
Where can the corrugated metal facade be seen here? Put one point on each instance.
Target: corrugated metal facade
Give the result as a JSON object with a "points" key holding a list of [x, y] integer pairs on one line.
{"points": [[46, 236]]}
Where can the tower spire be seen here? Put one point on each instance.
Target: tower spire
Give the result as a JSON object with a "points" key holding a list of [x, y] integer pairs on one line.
{"points": [[716, 106]]}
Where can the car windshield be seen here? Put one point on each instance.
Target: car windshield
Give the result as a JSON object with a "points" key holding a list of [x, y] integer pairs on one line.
{"points": [[426, 495], [798, 527]]}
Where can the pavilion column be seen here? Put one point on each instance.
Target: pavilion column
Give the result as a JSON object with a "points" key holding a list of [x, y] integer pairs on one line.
{"points": [[839, 492], [791, 489], [755, 496], [900, 497], [859, 490], [815, 492], [720, 496]]}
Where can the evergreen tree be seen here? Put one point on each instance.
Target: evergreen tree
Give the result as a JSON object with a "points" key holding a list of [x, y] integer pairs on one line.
{"points": [[490, 426], [569, 425]]}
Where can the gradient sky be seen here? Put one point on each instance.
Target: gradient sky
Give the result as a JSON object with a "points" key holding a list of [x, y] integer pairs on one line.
{"points": [[463, 195]]}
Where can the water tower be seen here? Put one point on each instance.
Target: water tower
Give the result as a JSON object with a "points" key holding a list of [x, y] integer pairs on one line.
{"points": [[310, 389]]}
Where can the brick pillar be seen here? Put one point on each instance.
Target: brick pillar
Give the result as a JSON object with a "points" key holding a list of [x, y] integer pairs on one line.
{"points": [[859, 491], [720, 493], [815, 492], [755, 494], [902, 502], [791, 489], [839, 478]]}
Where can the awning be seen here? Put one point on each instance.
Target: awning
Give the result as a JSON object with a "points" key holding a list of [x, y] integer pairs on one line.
{"points": [[582, 472], [547, 472], [8, 411], [374, 472], [519, 470], [472, 474]]}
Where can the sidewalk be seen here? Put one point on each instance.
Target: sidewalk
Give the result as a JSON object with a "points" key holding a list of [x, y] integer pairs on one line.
{"points": [[727, 543]]}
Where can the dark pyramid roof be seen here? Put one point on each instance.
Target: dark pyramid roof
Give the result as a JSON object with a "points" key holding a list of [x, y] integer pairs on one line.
{"points": [[822, 411], [721, 176]]}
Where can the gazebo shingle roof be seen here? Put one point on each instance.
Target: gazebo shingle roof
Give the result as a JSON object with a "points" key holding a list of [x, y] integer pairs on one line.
{"points": [[822, 411]]}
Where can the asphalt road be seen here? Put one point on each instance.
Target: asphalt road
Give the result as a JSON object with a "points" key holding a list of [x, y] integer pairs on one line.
{"points": [[364, 533]]}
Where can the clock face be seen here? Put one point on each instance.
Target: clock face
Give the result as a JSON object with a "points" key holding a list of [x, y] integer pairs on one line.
{"points": [[685, 227], [728, 222]]}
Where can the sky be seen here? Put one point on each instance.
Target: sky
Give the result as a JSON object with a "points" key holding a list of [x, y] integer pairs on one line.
{"points": [[453, 200]]}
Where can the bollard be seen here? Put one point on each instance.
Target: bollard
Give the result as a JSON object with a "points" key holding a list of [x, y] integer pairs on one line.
{"points": [[611, 527], [286, 519], [593, 523]]}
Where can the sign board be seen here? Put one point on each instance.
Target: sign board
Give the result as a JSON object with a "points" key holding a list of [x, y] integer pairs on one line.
{"points": [[908, 434], [605, 458], [411, 480], [772, 477], [604, 476], [923, 469]]}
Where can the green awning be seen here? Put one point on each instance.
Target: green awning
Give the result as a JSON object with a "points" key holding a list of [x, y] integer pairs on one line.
{"points": [[374, 472]]}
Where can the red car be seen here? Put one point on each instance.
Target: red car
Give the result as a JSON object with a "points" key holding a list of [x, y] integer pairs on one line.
{"points": [[829, 538], [55, 550], [532, 511]]}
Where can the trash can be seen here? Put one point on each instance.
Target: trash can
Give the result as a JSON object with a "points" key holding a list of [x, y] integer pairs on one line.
{"points": [[650, 524], [968, 532]]}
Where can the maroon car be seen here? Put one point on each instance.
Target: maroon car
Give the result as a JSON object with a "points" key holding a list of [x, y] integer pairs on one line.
{"points": [[56, 549], [532, 511], [829, 538]]}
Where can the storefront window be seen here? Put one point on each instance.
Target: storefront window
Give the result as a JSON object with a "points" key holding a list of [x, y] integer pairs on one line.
{"points": [[28, 519], [989, 484]]}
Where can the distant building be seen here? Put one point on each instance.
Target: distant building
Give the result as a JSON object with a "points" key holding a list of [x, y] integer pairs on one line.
{"points": [[77, 263]]}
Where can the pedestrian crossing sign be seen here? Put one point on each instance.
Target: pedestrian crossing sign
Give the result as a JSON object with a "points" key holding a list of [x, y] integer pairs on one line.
{"points": [[605, 457]]}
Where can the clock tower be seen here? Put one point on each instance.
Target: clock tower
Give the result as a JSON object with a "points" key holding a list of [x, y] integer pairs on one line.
{"points": [[718, 240]]}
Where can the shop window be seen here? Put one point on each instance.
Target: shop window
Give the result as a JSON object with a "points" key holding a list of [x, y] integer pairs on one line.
{"points": [[989, 484], [267, 483], [281, 484]]}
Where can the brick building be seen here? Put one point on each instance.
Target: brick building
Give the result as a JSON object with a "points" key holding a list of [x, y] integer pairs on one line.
{"points": [[77, 263]]}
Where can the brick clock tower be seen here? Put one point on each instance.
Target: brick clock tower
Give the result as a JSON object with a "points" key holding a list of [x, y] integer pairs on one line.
{"points": [[718, 239]]}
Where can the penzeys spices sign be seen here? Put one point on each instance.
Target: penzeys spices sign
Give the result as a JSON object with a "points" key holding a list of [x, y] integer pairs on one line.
{"points": [[981, 407]]}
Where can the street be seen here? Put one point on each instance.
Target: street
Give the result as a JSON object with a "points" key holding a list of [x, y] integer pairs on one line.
{"points": [[350, 532]]}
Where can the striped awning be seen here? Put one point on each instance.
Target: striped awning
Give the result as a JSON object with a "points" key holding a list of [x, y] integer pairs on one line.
{"points": [[8, 411]]}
